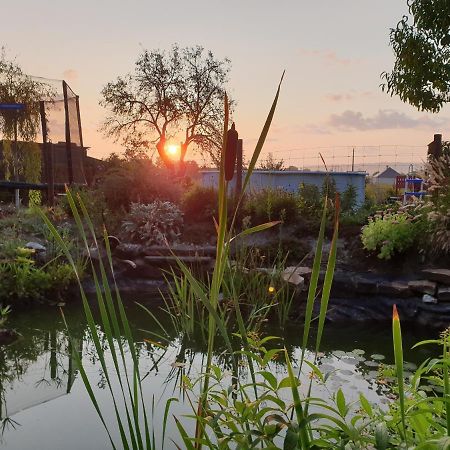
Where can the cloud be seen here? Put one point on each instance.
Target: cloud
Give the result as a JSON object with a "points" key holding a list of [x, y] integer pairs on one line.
{"points": [[70, 75], [385, 119], [329, 57], [347, 96]]}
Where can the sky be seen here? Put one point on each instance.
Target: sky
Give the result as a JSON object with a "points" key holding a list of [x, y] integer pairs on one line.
{"points": [[333, 53]]}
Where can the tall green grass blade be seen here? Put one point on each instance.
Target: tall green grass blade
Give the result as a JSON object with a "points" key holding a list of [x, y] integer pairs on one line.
{"points": [[298, 408], [329, 275], [313, 283], [398, 355], [445, 361]]}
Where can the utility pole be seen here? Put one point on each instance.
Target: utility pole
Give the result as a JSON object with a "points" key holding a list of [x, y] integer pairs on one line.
{"points": [[353, 159]]}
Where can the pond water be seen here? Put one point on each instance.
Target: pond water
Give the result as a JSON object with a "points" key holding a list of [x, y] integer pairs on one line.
{"points": [[47, 407]]}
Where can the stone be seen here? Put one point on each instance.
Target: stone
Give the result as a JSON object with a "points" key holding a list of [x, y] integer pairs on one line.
{"points": [[365, 285], [293, 276], [443, 294], [35, 246], [394, 288], [423, 286], [439, 275], [301, 270], [427, 298]]}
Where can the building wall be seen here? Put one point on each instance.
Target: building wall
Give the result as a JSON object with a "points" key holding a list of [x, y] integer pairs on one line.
{"points": [[290, 180], [386, 181]]}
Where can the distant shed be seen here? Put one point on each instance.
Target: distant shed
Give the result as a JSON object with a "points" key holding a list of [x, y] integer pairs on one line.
{"points": [[388, 176], [290, 180]]}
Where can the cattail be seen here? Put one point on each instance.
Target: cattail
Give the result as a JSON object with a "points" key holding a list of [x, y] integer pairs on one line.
{"points": [[231, 152]]}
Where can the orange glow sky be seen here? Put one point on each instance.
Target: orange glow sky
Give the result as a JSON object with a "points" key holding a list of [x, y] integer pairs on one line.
{"points": [[333, 53]]}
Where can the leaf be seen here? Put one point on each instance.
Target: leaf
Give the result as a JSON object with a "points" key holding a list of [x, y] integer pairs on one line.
{"points": [[340, 403], [365, 405]]}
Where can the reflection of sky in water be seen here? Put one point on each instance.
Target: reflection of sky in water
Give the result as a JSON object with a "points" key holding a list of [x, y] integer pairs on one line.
{"points": [[49, 419]]}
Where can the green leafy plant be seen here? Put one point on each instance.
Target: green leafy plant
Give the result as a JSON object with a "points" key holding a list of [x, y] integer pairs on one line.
{"points": [[155, 223], [271, 204], [390, 234]]}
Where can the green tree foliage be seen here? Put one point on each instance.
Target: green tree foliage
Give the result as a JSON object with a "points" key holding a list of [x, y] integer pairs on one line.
{"points": [[168, 94], [23, 161], [421, 73], [348, 199]]}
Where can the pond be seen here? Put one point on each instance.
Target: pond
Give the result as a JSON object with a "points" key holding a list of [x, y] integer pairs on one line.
{"points": [[47, 407]]}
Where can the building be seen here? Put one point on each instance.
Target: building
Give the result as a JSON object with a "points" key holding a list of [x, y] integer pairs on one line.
{"points": [[387, 177], [290, 180]]}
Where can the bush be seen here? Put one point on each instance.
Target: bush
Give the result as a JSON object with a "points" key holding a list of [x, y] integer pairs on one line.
{"points": [[309, 200], [200, 204], [21, 279], [154, 223], [137, 181], [271, 204], [390, 234], [437, 208], [348, 199], [377, 194]]}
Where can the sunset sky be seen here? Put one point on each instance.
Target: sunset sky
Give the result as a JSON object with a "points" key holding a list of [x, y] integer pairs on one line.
{"points": [[333, 53]]}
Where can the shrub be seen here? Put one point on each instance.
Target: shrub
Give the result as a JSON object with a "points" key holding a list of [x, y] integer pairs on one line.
{"points": [[271, 204], [309, 200], [437, 208], [348, 199], [377, 194], [137, 181], [200, 203], [21, 279], [153, 223], [390, 234]]}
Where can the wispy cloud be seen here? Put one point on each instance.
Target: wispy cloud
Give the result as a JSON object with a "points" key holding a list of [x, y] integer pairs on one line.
{"points": [[329, 57], [385, 119], [347, 96]]}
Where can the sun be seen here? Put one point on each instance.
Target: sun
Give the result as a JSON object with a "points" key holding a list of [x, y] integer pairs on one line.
{"points": [[172, 149]]}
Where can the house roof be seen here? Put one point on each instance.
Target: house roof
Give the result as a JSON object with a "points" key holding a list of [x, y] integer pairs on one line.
{"points": [[389, 172]]}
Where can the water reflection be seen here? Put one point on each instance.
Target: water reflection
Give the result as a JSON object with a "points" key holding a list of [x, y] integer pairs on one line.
{"points": [[40, 368]]}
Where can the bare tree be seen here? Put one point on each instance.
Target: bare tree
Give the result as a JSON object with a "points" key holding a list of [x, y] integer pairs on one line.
{"points": [[169, 93], [271, 163]]}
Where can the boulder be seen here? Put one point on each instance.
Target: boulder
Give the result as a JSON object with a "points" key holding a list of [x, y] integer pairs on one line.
{"points": [[394, 289], [443, 294], [303, 271], [423, 286], [439, 275], [38, 248], [427, 298]]}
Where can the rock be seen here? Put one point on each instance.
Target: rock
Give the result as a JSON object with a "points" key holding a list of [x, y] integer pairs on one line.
{"points": [[35, 246], [439, 275], [427, 298], [394, 288], [301, 270], [293, 276], [423, 286], [443, 294], [365, 285], [128, 251]]}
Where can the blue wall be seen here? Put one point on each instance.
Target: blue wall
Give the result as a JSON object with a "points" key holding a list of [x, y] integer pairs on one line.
{"points": [[291, 179]]}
